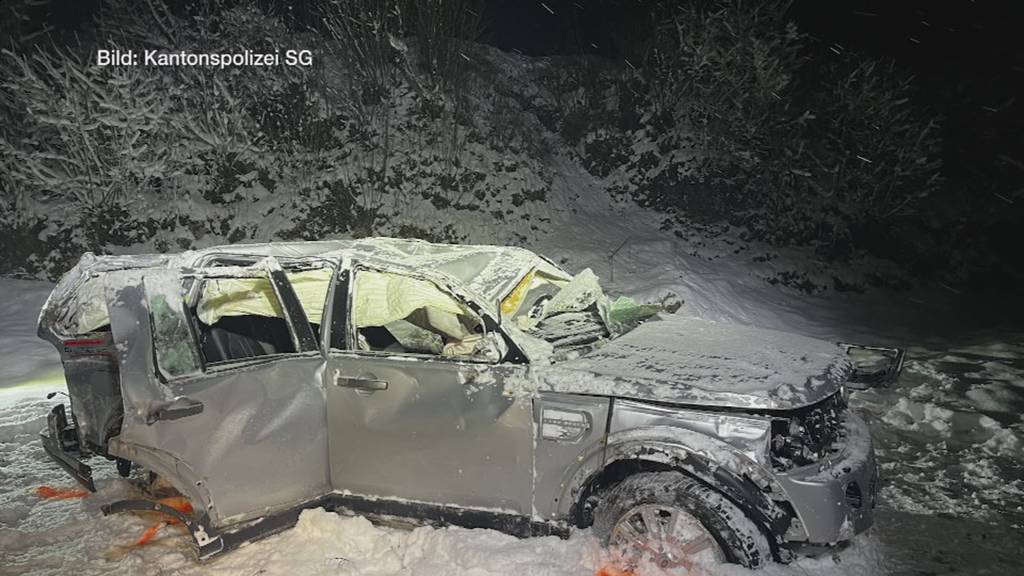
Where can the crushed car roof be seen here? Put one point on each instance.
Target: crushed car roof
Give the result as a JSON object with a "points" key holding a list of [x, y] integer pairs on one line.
{"points": [[490, 272]]}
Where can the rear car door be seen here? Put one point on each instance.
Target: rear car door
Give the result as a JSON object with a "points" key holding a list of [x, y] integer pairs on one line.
{"points": [[222, 392], [417, 412]]}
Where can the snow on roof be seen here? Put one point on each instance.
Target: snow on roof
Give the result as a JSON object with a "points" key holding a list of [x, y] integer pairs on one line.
{"points": [[489, 272]]}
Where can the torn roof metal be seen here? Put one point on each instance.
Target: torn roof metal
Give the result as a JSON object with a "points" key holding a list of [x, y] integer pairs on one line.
{"points": [[488, 272]]}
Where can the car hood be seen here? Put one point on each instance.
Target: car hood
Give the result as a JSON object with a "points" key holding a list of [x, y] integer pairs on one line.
{"points": [[685, 360]]}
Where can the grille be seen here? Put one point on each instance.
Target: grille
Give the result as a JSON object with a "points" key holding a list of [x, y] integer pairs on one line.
{"points": [[809, 434]]}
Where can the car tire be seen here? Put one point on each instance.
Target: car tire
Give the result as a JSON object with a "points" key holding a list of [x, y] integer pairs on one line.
{"points": [[675, 500]]}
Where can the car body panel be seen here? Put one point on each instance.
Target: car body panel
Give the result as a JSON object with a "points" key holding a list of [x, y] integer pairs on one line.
{"points": [[424, 428], [747, 436], [570, 446], [730, 462], [262, 420], [91, 374], [438, 433], [827, 513], [697, 362]]}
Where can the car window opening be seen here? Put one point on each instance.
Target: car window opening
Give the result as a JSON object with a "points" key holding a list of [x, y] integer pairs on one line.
{"points": [[403, 315], [238, 318], [238, 337]]}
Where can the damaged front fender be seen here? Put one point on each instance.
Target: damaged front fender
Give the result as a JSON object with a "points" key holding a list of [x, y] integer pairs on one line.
{"points": [[723, 466]]}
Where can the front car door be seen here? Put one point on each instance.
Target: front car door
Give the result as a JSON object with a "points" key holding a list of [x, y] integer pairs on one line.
{"points": [[222, 393], [417, 414]]}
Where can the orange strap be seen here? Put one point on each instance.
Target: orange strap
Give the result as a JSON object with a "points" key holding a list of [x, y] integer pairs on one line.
{"points": [[150, 533], [51, 493]]}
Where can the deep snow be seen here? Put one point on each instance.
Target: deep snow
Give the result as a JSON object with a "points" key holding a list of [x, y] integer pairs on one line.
{"points": [[949, 434]]}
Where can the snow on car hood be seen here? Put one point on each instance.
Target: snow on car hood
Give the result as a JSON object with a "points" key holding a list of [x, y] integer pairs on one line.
{"points": [[689, 360]]}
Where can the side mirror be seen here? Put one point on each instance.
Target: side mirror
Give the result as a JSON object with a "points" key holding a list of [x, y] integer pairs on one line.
{"points": [[873, 365]]}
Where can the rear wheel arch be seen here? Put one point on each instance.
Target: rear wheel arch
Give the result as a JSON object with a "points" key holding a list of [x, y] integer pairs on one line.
{"points": [[174, 471]]}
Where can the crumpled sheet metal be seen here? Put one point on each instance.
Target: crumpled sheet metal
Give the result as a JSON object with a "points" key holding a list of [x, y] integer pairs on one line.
{"points": [[579, 294], [77, 306], [95, 398], [584, 291], [691, 360], [133, 345]]}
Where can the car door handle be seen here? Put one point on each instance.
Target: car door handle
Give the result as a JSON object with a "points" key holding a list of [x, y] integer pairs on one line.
{"points": [[362, 384], [180, 407]]}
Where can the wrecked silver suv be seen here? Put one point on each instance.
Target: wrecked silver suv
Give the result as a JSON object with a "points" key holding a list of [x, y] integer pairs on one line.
{"points": [[468, 385]]}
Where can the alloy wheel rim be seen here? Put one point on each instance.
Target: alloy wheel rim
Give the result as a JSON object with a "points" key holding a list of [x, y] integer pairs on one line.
{"points": [[668, 536]]}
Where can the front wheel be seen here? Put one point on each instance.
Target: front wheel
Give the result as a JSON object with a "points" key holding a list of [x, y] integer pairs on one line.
{"points": [[672, 521]]}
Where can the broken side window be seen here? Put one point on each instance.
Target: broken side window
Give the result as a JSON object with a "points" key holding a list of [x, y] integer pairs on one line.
{"points": [[404, 315], [242, 317], [175, 350]]}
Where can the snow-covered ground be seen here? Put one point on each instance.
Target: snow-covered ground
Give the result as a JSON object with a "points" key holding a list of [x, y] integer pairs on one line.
{"points": [[949, 434]]}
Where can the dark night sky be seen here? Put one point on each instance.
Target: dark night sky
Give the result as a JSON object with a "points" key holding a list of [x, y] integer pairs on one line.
{"points": [[967, 56]]}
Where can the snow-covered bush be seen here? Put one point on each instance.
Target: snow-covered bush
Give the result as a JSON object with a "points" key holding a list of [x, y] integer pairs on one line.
{"points": [[857, 161], [384, 134], [441, 28], [729, 116], [100, 157], [718, 71], [86, 141]]}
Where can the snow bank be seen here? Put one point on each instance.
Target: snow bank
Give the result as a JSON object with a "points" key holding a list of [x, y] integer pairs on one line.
{"points": [[26, 358], [949, 435]]}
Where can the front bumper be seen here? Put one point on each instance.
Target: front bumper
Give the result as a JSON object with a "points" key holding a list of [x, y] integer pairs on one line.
{"points": [[835, 499]]}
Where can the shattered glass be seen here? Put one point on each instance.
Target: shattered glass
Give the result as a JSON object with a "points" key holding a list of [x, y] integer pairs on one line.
{"points": [[175, 350]]}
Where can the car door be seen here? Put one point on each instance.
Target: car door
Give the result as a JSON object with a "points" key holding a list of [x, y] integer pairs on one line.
{"points": [[427, 428], [242, 436]]}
